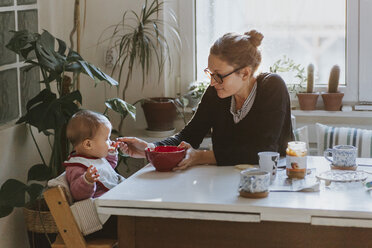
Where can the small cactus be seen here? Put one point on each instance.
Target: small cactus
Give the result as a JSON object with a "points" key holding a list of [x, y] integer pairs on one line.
{"points": [[334, 78], [310, 78]]}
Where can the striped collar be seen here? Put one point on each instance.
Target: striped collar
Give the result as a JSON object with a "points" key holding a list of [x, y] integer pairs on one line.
{"points": [[238, 115]]}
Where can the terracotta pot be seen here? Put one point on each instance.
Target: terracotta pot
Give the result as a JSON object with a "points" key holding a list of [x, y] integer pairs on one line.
{"points": [[160, 113], [332, 101], [307, 101]]}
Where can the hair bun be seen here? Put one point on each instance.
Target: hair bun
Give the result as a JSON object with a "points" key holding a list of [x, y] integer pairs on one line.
{"points": [[255, 37]]}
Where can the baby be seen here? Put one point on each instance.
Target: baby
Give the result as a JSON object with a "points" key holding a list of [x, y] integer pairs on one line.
{"points": [[90, 167]]}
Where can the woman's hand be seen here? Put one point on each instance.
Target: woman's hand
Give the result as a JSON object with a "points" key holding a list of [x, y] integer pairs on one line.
{"points": [[134, 147], [190, 159]]}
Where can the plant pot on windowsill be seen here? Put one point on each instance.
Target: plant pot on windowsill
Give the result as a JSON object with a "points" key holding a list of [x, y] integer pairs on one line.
{"points": [[333, 98], [307, 101], [160, 113], [332, 101]]}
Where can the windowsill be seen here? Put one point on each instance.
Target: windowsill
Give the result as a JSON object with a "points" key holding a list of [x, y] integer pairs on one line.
{"points": [[321, 113]]}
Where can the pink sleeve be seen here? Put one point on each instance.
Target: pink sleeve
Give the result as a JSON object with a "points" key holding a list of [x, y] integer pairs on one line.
{"points": [[112, 158], [79, 187]]}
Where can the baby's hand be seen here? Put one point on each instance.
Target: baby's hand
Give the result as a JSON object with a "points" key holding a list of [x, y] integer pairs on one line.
{"points": [[91, 175]]}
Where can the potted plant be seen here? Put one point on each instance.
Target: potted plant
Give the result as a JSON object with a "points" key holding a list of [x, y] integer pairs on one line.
{"points": [[49, 112], [333, 98], [139, 39], [161, 115], [308, 99], [287, 65], [196, 91]]}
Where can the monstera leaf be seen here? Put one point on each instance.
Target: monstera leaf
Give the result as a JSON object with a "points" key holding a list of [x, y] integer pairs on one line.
{"points": [[39, 172], [22, 42], [34, 190], [121, 107], [51, 60], [45, 111], [12, 193]]}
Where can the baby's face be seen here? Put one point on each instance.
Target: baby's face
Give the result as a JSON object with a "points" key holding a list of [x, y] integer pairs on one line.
{"points": [[101, 142]]}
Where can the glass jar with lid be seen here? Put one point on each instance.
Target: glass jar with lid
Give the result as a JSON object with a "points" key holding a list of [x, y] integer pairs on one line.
{"points": [[296, 159]]}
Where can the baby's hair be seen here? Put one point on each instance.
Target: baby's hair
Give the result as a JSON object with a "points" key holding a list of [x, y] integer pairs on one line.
{"points": [[84, 125]]}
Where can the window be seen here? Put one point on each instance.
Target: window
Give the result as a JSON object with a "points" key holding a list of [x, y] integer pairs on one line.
{"points": [[322, 32], [305, 31], [17, 85]]}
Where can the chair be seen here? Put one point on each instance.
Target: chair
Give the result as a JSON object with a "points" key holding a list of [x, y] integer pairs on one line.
{"points": [[69, 235]]}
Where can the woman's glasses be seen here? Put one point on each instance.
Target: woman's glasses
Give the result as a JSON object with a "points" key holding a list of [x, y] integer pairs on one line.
{"points": [[218, 77]]}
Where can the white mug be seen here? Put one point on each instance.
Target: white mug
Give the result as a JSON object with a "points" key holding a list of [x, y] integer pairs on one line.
{"points": [[342, 155], [268, 161], [254, 181]]}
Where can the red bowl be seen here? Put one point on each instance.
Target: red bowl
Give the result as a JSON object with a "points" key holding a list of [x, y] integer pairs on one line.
{"points": [[165, 158]]}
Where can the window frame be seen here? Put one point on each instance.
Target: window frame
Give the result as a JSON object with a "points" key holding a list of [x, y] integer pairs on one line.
{"points": [[18, 64], [358, 49]]}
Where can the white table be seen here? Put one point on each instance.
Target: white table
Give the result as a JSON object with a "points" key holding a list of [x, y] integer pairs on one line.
{"points": [[201, 207]]}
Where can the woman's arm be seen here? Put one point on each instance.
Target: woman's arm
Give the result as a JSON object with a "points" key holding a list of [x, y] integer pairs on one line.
{"points": [[195, 131], [195, 157]]}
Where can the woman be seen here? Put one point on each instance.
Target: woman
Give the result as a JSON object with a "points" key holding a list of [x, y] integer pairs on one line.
{"points": [[247, 114]]}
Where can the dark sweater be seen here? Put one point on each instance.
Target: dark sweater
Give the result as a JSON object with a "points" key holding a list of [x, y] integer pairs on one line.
{"points": [[266, 127]]}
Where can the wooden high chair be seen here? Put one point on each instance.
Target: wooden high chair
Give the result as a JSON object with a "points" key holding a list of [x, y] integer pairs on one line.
{"points": [[69, 233]]}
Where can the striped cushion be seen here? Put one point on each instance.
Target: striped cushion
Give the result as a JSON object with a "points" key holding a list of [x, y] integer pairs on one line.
{"points": [[86, 216], [329, 136]]}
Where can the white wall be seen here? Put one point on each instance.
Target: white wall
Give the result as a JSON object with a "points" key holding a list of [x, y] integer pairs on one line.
{"points": [[18, 150], [18, 153]]}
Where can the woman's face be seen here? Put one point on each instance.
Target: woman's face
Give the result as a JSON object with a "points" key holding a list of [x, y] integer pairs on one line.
{"points": [[231, 84]]}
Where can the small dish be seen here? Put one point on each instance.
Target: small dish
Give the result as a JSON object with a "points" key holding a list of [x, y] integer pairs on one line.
{"points": [[344, 176]]}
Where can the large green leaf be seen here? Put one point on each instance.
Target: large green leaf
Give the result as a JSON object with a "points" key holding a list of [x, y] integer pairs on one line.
{"points": [[61, 47], [22, 42], [121, 107], [47, 40], [45, 111], [35, 190], [73, 56], [44, 96], [12, 193], [53, 62], [39, 172], [46, 57], [95, 73], [71, 97]]}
